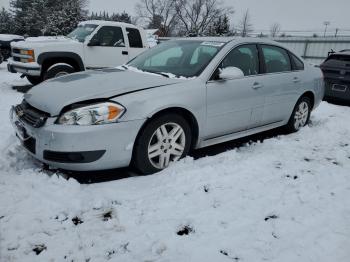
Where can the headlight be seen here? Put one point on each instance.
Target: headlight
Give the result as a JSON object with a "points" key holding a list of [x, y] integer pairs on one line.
{"points": [[30, 56], [27, 52], [96, 114]]}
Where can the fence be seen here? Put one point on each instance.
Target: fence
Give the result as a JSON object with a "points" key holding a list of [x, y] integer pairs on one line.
{"points": [[312, 49]]}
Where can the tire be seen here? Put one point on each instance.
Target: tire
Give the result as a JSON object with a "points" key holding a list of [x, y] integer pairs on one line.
{"points": [[152, 154], [300, 116], [1, 59], [34, 80], [58, 70]]}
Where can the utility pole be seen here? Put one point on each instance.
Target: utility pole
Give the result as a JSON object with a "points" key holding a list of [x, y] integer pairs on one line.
{"points": [[326, 24], [336, 32]]}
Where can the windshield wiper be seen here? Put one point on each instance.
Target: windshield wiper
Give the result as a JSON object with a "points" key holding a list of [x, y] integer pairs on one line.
{"points": [[125, 67], [160, 73]]}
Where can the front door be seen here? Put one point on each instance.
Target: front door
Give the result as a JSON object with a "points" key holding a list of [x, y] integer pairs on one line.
{"points": [[236, 105], [107, 48]]}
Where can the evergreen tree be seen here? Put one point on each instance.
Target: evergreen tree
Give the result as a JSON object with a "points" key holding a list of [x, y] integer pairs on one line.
{"points": [[122, 17], [220, 27], [125, 17], [65, 18], [47, 17], [5, 22]]}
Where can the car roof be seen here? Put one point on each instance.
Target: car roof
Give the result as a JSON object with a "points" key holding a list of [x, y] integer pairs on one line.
{"points": [[235, 39], [110, 23]]}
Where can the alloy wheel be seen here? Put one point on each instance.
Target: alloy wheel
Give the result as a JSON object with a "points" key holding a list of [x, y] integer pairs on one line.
{"points": [[167, 144], [301, 115]]}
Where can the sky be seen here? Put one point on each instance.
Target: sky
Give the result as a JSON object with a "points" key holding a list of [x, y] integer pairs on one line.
{"points": [[291, 14]]}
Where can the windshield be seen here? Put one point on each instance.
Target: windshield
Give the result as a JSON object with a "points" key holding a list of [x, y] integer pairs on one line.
{"points": [[182, 58], [81, 32]]}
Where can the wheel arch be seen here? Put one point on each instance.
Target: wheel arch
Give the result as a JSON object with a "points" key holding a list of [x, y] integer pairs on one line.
{"points": [[185, 113], [48, 59], [311, 96]]}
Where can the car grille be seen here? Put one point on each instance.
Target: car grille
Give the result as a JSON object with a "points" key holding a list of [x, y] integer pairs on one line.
{"points": [[31, 115], [16, 51]]}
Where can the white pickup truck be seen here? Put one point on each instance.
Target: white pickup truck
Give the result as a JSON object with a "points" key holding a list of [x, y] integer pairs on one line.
{"points": [[92, 45]]}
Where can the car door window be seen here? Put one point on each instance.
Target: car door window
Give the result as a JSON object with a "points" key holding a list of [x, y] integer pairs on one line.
{"points": [[109, 36], [276, 59], [134, 36], [297, 63], [245, 57]]}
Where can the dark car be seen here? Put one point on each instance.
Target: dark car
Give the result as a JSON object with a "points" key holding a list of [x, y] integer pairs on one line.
{"points": [[5, 45], [336, 70]]}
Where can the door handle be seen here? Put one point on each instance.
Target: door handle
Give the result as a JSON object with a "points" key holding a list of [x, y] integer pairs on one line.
{"points": [[257, 85], [296, 79], [125, 52]]}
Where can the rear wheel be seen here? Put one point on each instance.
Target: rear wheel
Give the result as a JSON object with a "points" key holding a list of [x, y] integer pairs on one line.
{"points": [[34, 80], [58, 70], [300, 116], [164, 140]]}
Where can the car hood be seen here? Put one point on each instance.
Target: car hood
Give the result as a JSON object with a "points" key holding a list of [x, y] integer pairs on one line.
{"points": [[53, 95], [44, 41]]}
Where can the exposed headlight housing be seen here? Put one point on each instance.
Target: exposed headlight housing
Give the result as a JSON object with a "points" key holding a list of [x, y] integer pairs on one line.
{"points": [[95, 114]]}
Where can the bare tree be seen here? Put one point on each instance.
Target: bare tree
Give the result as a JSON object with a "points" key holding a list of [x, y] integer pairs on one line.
{"points": [[275, 29], [245, 27], [158, 12], [196, 16]]}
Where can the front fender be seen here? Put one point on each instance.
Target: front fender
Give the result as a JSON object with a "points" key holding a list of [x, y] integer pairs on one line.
{"points": [[188, 94], [57, 55]]}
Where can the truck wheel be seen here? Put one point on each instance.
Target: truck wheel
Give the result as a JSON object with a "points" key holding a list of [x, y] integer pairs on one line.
{"points": [[58, 70], [34, 80]]}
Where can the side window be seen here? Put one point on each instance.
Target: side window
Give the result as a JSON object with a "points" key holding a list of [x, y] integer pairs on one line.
{"points": [[297, 63], [134, 37], [109, 36], [276, 59], [245, 57]]}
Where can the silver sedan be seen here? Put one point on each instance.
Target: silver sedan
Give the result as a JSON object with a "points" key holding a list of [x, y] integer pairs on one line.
{"points": [[181, 95]]}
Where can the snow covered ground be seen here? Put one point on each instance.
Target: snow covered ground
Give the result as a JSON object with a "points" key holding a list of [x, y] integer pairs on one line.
{"points": [[285, 200]]}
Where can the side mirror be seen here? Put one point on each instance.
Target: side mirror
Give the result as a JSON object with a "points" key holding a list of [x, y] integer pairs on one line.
{"points": [[94, 42], [231, 73]]}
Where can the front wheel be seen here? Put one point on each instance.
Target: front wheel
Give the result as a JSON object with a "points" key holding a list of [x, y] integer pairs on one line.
{"points": [[58, 70], [163, 140], [300, 116]]}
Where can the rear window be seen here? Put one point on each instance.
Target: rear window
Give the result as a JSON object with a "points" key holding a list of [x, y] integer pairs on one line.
{"points": [[134, 37], [345, 58]]}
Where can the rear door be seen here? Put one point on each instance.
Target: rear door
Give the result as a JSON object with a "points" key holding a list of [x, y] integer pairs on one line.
{"points": [[281, 84], [108, 48], [136, 45]]}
